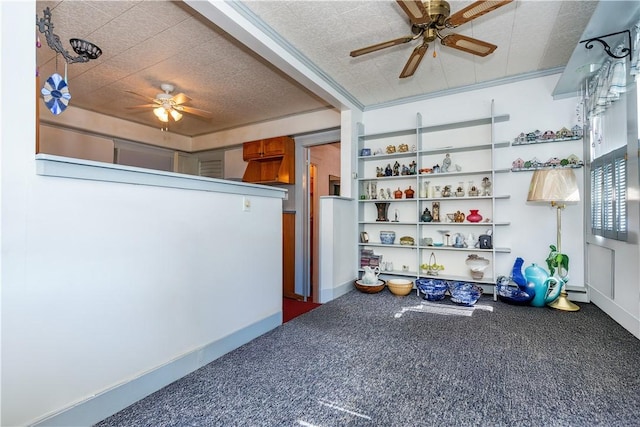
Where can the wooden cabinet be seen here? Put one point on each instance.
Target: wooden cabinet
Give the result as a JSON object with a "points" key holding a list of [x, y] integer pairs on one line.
{"points": [[270, 160]]}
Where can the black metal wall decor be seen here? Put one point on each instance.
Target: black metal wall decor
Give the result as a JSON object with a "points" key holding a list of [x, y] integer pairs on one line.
{"points": [[626, 51], [85, 50]]}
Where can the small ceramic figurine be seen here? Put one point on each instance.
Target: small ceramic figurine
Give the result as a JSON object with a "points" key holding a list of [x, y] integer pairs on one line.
{"points": [[396, 169], [486, 186], [412, 168], [446, 163], [388, 171], [435, 211]]}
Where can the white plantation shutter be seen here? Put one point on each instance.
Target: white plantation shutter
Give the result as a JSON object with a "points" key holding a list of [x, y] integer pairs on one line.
{"points": [[620, 207], [609, 195], [212, 168]]}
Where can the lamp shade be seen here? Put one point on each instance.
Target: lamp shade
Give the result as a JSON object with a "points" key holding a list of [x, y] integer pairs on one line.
{"points": [[553, 185]]}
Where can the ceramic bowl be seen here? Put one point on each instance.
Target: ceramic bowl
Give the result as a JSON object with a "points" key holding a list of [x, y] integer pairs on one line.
{"points": [[400, 287], [465, 293], [433, 289], [387, 237], [370, 289]]}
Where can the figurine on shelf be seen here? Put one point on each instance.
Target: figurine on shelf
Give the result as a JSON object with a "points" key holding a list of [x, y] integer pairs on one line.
{"points": [[486, 186], [388, 193], [436, 169], [458, 217], [405, 170], [435, 211], [446, 191], [446, 163], [396, 169], [379, 171], [388, 171], [412, 168], [383, 195]]}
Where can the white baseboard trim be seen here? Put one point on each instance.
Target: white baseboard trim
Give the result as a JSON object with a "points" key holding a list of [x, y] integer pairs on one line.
{"points": [[327, 295], [109, 402], [617, 313]]}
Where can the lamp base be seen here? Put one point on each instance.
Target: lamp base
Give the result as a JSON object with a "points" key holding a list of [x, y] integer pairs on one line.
{"points": [[563, 303]]}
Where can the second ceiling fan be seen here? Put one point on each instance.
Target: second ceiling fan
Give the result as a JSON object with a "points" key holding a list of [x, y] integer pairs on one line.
{"points": [[430, 17]]}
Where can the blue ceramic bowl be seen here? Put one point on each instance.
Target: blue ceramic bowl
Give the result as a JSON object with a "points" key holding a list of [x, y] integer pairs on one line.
{"points": [[465, 293], [387, 237], [433, 289]]}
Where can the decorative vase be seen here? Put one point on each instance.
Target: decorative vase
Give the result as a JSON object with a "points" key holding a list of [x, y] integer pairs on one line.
{"points": [[474, 216], [426, 216], [397, 194], [383, 211], [387, 237], [409, 192]]}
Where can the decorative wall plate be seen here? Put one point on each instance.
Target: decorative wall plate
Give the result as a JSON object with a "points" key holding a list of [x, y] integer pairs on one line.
{"points": [[56, 94]]}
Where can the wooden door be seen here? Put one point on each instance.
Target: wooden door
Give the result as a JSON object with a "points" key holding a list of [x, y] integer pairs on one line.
{"points": [[288, 255]]}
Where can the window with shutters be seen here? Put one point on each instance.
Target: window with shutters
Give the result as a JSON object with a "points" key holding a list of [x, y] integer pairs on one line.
{"points": [[609, 195]]}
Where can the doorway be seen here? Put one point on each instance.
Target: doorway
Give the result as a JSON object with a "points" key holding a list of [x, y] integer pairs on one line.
{"points": [[324, 180]]}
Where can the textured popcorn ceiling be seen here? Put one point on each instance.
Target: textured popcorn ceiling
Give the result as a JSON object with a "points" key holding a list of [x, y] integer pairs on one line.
{"points": [[146, 43]]}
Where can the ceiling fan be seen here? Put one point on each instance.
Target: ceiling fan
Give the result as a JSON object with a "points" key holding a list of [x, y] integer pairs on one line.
{"points": [[165, 106], [428, 19]]}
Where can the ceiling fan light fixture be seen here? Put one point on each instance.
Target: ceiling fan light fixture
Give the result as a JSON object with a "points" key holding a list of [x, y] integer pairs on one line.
{"points": [[161, 114], [175, 115]]}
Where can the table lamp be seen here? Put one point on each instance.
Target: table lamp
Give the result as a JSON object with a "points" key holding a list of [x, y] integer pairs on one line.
{"points": [[557, 186]]}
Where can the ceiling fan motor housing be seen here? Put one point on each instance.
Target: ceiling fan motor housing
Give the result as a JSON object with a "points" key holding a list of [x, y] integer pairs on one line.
{"points": [[438, 11]]}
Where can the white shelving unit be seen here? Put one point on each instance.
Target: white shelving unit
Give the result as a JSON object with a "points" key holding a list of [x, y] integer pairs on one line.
{"points": [[471, 146]]}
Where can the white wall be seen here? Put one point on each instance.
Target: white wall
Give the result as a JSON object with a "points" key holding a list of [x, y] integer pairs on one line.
{"points": [[530, 106], [102, 282]]}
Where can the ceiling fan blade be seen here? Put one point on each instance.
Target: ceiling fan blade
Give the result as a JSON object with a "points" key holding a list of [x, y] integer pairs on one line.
{"points": [[181, 98], [142, 96], [468, 44], [380, 46], [194, 111], [415, 10], [473, 11], [144, 106], [414, 60]]}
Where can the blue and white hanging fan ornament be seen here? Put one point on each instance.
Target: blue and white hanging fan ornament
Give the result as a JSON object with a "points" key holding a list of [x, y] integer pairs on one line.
{"points": [[56, 94]]}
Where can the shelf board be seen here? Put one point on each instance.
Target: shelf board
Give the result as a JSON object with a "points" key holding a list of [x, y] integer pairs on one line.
{"points": [[388, 222], [396, 155], [383, 245], [451, 248], [545, 167], [545, 141], [388, 178], [386, 200], [465, 173], [440, 224], [502, 196]]}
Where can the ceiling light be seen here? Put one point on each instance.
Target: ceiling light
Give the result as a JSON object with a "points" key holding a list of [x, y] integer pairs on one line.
{"points": [[176, 115], [161, 114]]}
